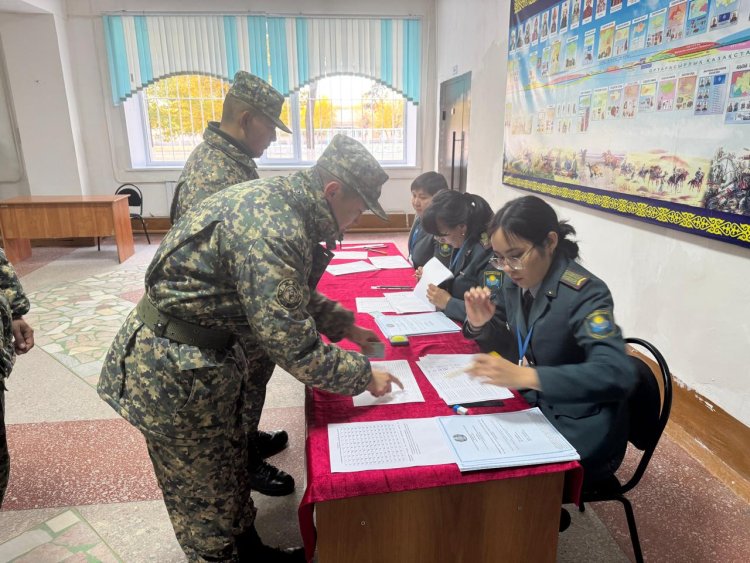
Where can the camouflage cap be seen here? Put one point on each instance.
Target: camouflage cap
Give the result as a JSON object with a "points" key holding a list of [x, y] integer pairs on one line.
{"points": [[349, 161], [260, 95]]}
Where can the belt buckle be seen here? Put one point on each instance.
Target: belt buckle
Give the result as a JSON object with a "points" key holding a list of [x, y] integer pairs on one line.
{"points": [[160, 328]]}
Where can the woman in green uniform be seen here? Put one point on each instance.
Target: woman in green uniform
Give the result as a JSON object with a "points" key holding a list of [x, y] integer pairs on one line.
{"points": [[573, 364]]}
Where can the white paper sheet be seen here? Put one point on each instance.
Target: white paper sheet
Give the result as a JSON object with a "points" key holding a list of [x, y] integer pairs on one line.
{"points": [[387, 444], [434, 272], [374, 305], [390, 262], [405, 302], [509, 439], [350, 268], [413, 325], [410, 394], [350, 255], [458, 388]]}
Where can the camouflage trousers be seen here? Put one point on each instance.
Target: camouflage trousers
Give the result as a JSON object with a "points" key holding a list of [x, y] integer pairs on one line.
{"points": [[4, 455], [207, 495]]}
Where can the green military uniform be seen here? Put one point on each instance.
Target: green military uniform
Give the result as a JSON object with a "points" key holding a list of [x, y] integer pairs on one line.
{"points": [[470, 268], [423, 246], [13, 305], [220, 160], [579, 355], [244, 262], [217, 163]]}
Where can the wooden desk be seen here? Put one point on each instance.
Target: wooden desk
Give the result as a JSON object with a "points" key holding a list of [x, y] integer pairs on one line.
{"points": [[27, 217], [505, 520], [429, 514]]}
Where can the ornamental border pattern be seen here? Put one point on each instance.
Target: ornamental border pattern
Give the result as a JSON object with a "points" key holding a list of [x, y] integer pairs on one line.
{"points": [[699, 222]]}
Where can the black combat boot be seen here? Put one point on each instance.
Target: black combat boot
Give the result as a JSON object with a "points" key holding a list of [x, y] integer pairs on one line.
{"points": [[271, 443], [251, 548], [264, 477]]}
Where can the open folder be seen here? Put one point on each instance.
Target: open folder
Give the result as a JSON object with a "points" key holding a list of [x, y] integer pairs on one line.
{"points": [[509, 439]]}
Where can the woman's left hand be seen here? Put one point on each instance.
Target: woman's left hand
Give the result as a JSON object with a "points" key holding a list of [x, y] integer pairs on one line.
{"points": [[438, 297], [497, 370]]}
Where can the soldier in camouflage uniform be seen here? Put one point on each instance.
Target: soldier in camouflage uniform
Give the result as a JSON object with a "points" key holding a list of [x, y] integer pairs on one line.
{"points": [[248, 125], [17, 337], [243, 264]]}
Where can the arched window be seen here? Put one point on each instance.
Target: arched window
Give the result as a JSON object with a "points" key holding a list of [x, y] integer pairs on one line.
{"points": [[166, 120]]}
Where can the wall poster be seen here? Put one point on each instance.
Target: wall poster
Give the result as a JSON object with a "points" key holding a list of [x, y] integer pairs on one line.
{"points": [[636, 107]]}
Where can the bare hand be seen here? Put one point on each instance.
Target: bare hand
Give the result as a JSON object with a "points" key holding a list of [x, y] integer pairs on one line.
{"points": [[496, 370], [381, 381], [479, 306], [363, 338], [23, 336], [438, 297], [418, 273]]}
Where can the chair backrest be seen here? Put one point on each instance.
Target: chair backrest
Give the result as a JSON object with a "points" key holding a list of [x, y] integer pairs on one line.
{"points": [[135, 196], [650, 403]]}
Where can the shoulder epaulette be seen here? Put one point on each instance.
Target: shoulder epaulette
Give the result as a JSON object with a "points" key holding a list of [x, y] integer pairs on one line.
{"points": [[484, 240], [574, 279]]}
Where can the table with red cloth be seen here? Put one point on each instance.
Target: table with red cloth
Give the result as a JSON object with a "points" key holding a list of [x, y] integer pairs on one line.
{"points": [[324, 408]]}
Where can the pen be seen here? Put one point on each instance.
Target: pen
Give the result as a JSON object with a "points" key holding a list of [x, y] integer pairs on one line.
{"points": [[376, 250], [406, 287], [458, 409]]}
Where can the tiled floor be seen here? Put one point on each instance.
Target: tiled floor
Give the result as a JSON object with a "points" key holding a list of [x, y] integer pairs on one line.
{"points": [[82, 487]]}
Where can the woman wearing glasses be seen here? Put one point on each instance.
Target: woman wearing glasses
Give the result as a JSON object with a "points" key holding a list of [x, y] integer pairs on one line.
{"points": [[460, 220], [572, 364]]}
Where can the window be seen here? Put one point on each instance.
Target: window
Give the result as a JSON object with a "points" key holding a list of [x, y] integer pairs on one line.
{"points": [[166, 120]]}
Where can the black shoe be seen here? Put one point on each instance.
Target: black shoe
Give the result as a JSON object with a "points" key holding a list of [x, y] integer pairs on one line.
{"points": [[278, 555], [271, 443], [564, 519], [270, 480]]}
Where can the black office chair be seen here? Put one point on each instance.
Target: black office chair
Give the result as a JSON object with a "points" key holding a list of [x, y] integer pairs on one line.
{"points": [[649, 408], [135, 199]]}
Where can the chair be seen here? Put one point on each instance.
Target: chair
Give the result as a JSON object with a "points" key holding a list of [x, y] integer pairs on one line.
{"points": [[135, 199], [649, 408]]}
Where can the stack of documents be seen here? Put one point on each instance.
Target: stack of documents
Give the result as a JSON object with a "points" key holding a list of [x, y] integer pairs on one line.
{"points": [[445, 373], [350, 268], [509, 439], [488, 441], [412, 325], [390, 262], [407, 302]]}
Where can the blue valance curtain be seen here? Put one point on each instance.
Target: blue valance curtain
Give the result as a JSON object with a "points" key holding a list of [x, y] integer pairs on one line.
{"points": [[288, 52]]}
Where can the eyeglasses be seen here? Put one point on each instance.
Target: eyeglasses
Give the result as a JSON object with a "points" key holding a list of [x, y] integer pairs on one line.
{"points": [[515, 263]]}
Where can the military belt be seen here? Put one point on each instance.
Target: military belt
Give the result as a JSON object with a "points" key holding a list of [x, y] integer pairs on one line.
{"points": [[181, 331]]}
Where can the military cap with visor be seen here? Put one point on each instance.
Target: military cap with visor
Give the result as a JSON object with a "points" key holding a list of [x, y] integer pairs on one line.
{"points": [[350, 162], [260, 95]]}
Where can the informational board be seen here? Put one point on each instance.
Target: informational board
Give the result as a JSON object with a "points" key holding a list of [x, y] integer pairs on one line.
{"points": [[636, 107]]}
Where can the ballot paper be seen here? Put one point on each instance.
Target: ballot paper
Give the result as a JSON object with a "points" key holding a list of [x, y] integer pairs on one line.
{"points": [[508, 439], [350, 268], [409, 394], [445, 374], [387, 444], [511, 439], [413, 325], [349, 255], [374, 305], [390, 262], [435, 273], [403, 302]]}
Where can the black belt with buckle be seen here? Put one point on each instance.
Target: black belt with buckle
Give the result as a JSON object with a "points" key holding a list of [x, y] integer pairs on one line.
{"points": [[181, 331]]}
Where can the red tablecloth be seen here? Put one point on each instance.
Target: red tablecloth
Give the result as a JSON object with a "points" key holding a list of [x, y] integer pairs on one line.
{"points": [[323, 408]]}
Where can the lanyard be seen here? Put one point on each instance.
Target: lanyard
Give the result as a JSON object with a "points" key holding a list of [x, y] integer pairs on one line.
{"points": [[522, 347], [458, 254], [414, 235]]}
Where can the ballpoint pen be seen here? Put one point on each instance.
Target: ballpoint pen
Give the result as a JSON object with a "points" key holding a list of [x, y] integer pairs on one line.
{"points": [[404, 287], [376, 250]]}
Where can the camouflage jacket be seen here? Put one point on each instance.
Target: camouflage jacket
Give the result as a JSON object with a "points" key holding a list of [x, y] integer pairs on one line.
{"points": [[217, 163], [13, 304], [245, 260]]}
